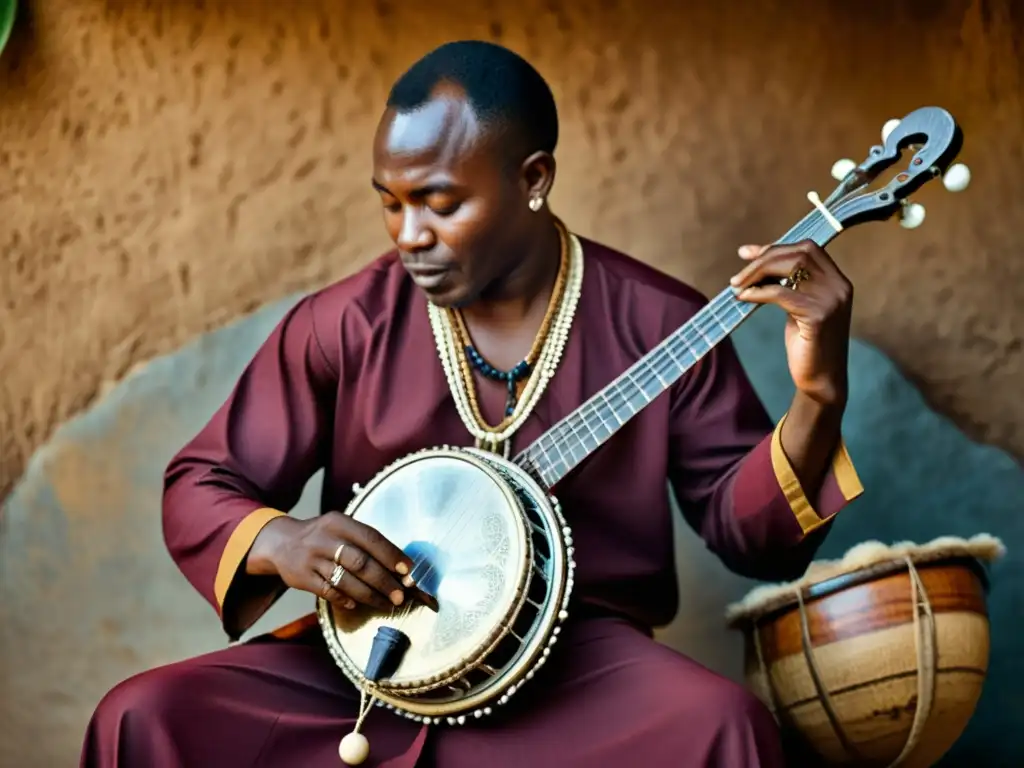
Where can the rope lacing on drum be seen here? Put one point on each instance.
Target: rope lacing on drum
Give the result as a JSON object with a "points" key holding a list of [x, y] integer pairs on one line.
{"points": [[927, 666]]}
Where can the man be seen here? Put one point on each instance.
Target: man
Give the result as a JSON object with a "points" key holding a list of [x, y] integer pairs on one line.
{"points": [[351, 380]]}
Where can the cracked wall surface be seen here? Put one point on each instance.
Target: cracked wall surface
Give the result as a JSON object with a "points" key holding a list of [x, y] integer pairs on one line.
{"points": [[170, 165]]}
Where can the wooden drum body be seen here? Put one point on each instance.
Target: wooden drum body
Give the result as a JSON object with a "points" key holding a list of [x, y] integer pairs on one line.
{"points": [[879, 659], [494, 550]]}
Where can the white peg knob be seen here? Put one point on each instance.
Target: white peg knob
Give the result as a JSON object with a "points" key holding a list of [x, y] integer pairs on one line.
{"points": [[889, 127], [912, 216], [957, 178], [841, 168]]}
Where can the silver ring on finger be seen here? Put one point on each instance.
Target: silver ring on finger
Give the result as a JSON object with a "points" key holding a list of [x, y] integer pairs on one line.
{"points": [[336, 576], [337, 553]]}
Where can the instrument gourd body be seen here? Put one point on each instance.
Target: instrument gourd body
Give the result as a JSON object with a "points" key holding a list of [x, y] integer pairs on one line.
{"points": [[491, 545]]}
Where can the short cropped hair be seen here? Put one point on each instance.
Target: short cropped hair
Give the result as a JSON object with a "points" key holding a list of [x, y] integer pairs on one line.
{"points": [[501, 87]]}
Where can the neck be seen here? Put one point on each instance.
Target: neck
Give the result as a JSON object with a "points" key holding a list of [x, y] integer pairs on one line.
{"points": [[528, 284], [559, 450]]}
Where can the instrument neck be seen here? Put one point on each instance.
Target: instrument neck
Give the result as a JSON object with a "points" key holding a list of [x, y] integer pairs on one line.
{"points": [[565, 445]]}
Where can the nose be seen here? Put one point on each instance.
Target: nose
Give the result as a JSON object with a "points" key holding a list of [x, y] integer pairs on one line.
{"points": [[413, 234]]}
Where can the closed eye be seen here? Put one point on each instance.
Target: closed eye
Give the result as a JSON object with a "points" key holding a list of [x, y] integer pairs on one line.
{"points": [[447, 209]]}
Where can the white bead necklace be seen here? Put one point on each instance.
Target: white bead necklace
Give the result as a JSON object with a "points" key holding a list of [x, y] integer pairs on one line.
{"points": [[543, 370]]}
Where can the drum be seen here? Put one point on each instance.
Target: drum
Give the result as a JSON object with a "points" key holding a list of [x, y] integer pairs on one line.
{"points": [[878, 658]]}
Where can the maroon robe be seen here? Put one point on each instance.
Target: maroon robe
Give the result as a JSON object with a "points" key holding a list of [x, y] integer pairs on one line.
{"points": [[349, 381]]}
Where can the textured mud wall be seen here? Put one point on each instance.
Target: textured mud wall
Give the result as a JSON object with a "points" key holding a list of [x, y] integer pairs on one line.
{"points": [[168, 165]]}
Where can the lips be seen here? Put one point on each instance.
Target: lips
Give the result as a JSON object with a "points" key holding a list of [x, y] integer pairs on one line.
{"points": [[427, 270], [429, 278]]}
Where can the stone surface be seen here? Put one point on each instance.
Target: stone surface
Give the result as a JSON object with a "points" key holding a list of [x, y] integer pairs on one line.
{"points": [[170, 165], [88, 594]]}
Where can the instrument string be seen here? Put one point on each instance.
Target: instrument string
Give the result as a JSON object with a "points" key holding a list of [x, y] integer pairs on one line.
{"points": [[663, 362], [662, 366], [709, 318], [405, 610]]}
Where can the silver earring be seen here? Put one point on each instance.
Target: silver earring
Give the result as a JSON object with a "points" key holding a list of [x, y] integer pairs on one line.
{"points": [[536, 203]]}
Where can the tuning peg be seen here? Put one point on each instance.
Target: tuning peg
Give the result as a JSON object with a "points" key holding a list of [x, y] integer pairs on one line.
{"points": [[842, 168], [912, 216], [957, 178], [889, 127]]}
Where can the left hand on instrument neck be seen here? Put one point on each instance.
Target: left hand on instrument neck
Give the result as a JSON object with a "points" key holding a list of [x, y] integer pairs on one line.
{"points": [[820, 309]]}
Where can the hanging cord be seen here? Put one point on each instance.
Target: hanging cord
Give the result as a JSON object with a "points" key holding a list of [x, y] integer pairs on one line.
{"points": [[927, 664], [927, 661], [819, 687], [355, 747], [773, 700]]}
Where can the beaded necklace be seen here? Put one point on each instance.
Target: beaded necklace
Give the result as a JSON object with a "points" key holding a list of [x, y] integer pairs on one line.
{"points": [[459, 357], [517, 375]]}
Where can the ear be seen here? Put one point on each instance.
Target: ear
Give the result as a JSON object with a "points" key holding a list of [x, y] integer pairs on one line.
{"points": [[537, 175]]}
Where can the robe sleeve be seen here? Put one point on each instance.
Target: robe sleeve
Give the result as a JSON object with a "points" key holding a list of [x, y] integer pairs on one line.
{"points": [[734, 482], [249, 465]]}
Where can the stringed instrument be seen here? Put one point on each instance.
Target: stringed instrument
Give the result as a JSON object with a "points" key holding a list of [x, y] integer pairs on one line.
{"points": [[503, 585]]}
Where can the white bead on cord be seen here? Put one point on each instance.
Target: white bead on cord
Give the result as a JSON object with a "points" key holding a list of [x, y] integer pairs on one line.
{"points": [[355, 747]]}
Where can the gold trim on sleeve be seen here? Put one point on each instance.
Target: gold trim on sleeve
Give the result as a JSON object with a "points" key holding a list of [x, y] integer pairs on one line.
{"points": [[237, 548], [842, 468]]}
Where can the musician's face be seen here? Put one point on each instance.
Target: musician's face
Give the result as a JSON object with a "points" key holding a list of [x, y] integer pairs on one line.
{"points": [[454, 205]]}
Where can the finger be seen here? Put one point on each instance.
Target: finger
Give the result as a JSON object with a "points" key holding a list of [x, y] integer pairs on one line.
{"points": [[749, 252], [329, 593], [771, 265], [371, 540], [793, 302], [807, 253], [815, 254], [358, 563], [351, 586]]}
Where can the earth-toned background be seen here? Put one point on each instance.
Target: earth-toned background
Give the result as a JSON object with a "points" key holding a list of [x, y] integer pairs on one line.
{"points": [[170, 168]]}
